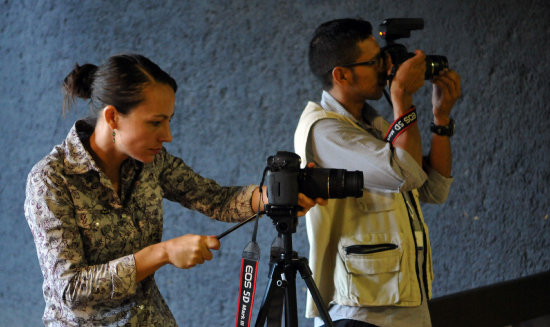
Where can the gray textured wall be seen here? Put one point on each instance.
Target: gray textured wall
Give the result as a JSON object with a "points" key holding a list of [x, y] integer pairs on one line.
{"points": [[243, 77]]}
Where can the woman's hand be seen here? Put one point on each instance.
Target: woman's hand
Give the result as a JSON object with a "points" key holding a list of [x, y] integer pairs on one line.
{"points": [[189, 250], [183, 252], [307, 203]]}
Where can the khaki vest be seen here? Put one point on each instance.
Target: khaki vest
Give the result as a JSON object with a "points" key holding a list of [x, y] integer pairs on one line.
{"points": [[382, 278]]}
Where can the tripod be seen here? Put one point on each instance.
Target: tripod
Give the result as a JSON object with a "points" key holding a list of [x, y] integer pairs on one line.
{"points": [[281, 286]]}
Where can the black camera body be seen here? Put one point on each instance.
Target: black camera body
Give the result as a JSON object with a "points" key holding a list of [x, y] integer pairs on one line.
{"points": [[392, 29], [285, 179]]}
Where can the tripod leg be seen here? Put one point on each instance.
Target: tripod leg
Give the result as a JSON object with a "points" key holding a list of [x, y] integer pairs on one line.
{"points": [[275, 308], [291, 312], [272, 294], [275, 311], [306, 274]]}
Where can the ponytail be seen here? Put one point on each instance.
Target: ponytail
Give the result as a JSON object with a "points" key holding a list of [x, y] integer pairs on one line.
{"points": [[78, 84]]}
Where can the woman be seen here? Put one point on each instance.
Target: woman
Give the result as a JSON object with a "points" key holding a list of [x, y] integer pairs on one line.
{"points": [[94, 204]]}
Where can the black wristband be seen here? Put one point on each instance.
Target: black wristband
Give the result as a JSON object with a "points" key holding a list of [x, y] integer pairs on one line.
{"points": [[401, 124], [448, 130]]}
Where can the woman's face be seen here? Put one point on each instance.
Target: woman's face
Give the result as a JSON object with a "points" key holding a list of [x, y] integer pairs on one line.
{"points": [[141, 133]]}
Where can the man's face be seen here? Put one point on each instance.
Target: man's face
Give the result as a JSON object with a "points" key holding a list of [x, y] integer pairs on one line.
{"points": [[368, 80], [142, 132]]}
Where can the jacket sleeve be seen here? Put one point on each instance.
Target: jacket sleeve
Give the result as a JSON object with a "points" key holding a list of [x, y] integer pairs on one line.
{"points": [[335, 144], [436, 188], [181, 184], [68, 279]]}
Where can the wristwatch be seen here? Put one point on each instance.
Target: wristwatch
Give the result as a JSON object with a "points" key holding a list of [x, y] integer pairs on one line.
{"points": [[448, 130]]}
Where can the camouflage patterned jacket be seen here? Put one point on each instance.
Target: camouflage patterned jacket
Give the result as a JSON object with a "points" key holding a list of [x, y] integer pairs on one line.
{"points": [[85, 233]]}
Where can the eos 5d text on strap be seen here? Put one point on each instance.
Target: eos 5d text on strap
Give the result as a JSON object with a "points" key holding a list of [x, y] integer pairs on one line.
{"points": [[401, 124]]}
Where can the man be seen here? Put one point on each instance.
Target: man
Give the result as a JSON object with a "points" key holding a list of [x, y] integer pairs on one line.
{"points": [[371, 256]]}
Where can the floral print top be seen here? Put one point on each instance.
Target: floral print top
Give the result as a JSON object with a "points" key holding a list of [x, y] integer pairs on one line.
{"points": [[85, 233]]}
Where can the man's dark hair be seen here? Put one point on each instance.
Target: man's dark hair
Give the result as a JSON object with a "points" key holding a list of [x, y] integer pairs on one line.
{"points": [[334, 43]]}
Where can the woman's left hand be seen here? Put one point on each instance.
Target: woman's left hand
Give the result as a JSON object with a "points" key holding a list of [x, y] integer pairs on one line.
{"points": [[307, 203]]}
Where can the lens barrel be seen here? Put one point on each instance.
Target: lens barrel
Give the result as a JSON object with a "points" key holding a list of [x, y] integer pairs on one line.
{"points": [[330, 183], [435, 64]]}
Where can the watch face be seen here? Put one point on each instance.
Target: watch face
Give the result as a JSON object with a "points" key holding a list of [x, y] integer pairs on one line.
{"points": [[448, 130]]}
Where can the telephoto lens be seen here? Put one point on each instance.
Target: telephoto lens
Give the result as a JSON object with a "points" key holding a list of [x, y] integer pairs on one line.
{"points": [[330, 183]]}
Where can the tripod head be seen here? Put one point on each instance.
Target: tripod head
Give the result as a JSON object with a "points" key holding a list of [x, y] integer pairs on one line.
{"points": [[284, 218]]}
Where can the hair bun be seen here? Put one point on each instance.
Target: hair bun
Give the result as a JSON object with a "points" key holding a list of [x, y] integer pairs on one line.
{"points": [[79, 82]]}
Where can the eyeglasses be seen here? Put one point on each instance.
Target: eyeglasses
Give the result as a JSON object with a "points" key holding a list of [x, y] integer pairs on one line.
{"points": [[377, 61]]}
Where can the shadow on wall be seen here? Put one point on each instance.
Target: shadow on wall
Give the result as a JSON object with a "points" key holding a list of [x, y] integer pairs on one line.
{"points": [[538, 322], [524, 302]]}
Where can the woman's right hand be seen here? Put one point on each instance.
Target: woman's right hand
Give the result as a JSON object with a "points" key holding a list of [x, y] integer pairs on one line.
{"points": [[189, 250]]}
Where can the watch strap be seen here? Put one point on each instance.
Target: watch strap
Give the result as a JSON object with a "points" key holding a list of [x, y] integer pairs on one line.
{"points": [[447, 130]]}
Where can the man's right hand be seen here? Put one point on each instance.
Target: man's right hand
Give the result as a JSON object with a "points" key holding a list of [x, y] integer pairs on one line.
{"points": [[407, 80]]}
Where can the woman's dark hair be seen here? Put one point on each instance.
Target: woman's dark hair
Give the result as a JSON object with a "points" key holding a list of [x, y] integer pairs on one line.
{"points": [[118, 82], [334, 43]]}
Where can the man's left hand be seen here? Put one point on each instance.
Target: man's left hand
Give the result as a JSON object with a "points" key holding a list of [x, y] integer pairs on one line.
{"points": [[446, 90]]}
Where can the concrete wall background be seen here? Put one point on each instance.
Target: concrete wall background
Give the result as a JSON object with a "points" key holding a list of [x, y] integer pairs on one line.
{"points": [[243, 76]]}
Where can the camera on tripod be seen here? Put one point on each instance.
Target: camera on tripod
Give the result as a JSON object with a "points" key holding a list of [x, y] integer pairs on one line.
{"points": [[392, 29], [285, 180]]}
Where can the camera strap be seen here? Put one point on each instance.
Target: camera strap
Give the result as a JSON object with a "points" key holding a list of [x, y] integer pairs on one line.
{"points": [[249, 271], [401, 124], [391, 75], [247, 289]]}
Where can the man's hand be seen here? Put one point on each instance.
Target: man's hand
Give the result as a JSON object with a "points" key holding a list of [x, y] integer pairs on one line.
{"points": [[446, 90], [407, 80]]}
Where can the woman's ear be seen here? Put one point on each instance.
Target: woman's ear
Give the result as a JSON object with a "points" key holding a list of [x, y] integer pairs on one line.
{"points": [[111, 116]]}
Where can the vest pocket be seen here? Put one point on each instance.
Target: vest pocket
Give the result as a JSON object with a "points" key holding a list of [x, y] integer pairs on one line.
{"points": [[369, 248], [370, 272]]}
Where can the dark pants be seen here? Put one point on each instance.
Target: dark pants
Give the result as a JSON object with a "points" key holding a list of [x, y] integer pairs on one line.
{"points": [[351, 323]]}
